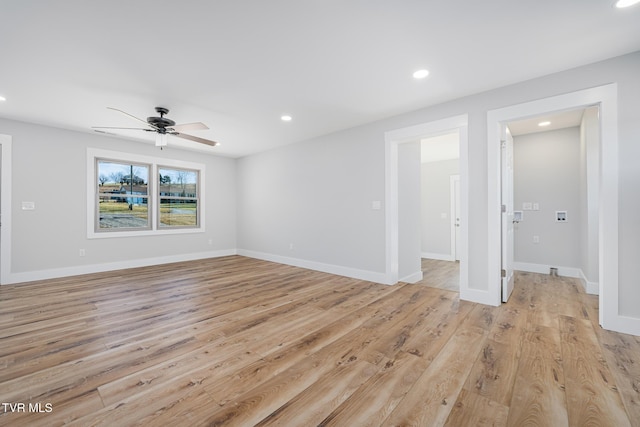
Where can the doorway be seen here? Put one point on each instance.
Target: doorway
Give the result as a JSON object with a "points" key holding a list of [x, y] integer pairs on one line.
{"points": [[440, 196], [556, 163], [440, 211], [393, 140], [605, 97]]}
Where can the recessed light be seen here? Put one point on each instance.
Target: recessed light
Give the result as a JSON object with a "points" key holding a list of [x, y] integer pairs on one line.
{"points": [[543, 124], [2, 98], [620, 4], [420, 74], [286, 118]]}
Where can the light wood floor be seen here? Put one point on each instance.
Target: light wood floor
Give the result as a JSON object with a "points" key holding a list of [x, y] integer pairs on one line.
{"points": [[237, 341], [441, 274]]}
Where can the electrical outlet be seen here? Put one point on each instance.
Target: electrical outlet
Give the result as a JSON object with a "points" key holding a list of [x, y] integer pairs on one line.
{"points": [[290, 246], [536, 239], [82, 252]]}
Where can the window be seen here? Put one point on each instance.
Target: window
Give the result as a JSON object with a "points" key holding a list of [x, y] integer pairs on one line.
{"points": [[178, 196], [124, 198], [123, 195]]}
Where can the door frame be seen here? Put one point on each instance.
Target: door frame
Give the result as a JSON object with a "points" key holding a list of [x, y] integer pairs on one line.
{"points": [[506, 218], [454, 203], [5, 210], [411, 134], [606, 98]]}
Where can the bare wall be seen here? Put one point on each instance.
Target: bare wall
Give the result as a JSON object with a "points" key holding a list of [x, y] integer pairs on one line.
{"points": [[547, 172]]}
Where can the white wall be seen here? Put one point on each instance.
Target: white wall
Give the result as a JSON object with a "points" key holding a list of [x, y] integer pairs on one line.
{"points": [[589, 166], [547, 172], [49, 169], [409, 263], [322, 189], [316, 197], [436, 200]]}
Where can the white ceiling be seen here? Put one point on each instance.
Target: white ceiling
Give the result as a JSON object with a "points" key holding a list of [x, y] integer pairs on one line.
{"points": [[559, 120], [239, 65]]}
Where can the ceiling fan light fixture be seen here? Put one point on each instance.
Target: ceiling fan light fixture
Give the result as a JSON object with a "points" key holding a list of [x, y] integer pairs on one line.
{"points": [[161, 139]]}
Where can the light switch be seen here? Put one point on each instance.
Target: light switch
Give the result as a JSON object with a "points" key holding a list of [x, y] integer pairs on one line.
{"points": [[536, 206], [28, 206], [376, 205]]}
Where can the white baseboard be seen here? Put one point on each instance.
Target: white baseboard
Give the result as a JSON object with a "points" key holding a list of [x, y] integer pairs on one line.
{"points": [[544, 269], [441, 257], [593, 288], [54, 273], [589, 287], [412, 278], [624, 324], [339, 270], [478, 296]]}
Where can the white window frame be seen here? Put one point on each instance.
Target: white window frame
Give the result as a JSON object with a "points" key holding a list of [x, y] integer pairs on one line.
{"points": [[94, 154]]}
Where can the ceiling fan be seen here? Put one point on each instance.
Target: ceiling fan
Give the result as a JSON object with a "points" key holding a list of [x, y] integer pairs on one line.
{"points": [[163, 126]]}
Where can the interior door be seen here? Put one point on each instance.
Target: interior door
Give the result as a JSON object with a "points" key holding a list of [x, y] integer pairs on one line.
{"points": [[507, 213]]}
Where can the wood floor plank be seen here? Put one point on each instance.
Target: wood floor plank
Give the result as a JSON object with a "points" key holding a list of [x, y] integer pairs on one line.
{"points": [[592, 393], [372, 403], [430, 400], [471, 409], [494, 372], [622, 353], [539, 392], [324, 396]]}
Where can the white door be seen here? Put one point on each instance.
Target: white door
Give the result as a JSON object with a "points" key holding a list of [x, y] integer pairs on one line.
{"points": [[455, 217], [507, 213]]}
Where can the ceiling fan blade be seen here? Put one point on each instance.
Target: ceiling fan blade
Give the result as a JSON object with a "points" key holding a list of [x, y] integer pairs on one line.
{"points": [[134, 117], [195, 138], [115, 127], [188, 127], [105, 132]]}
